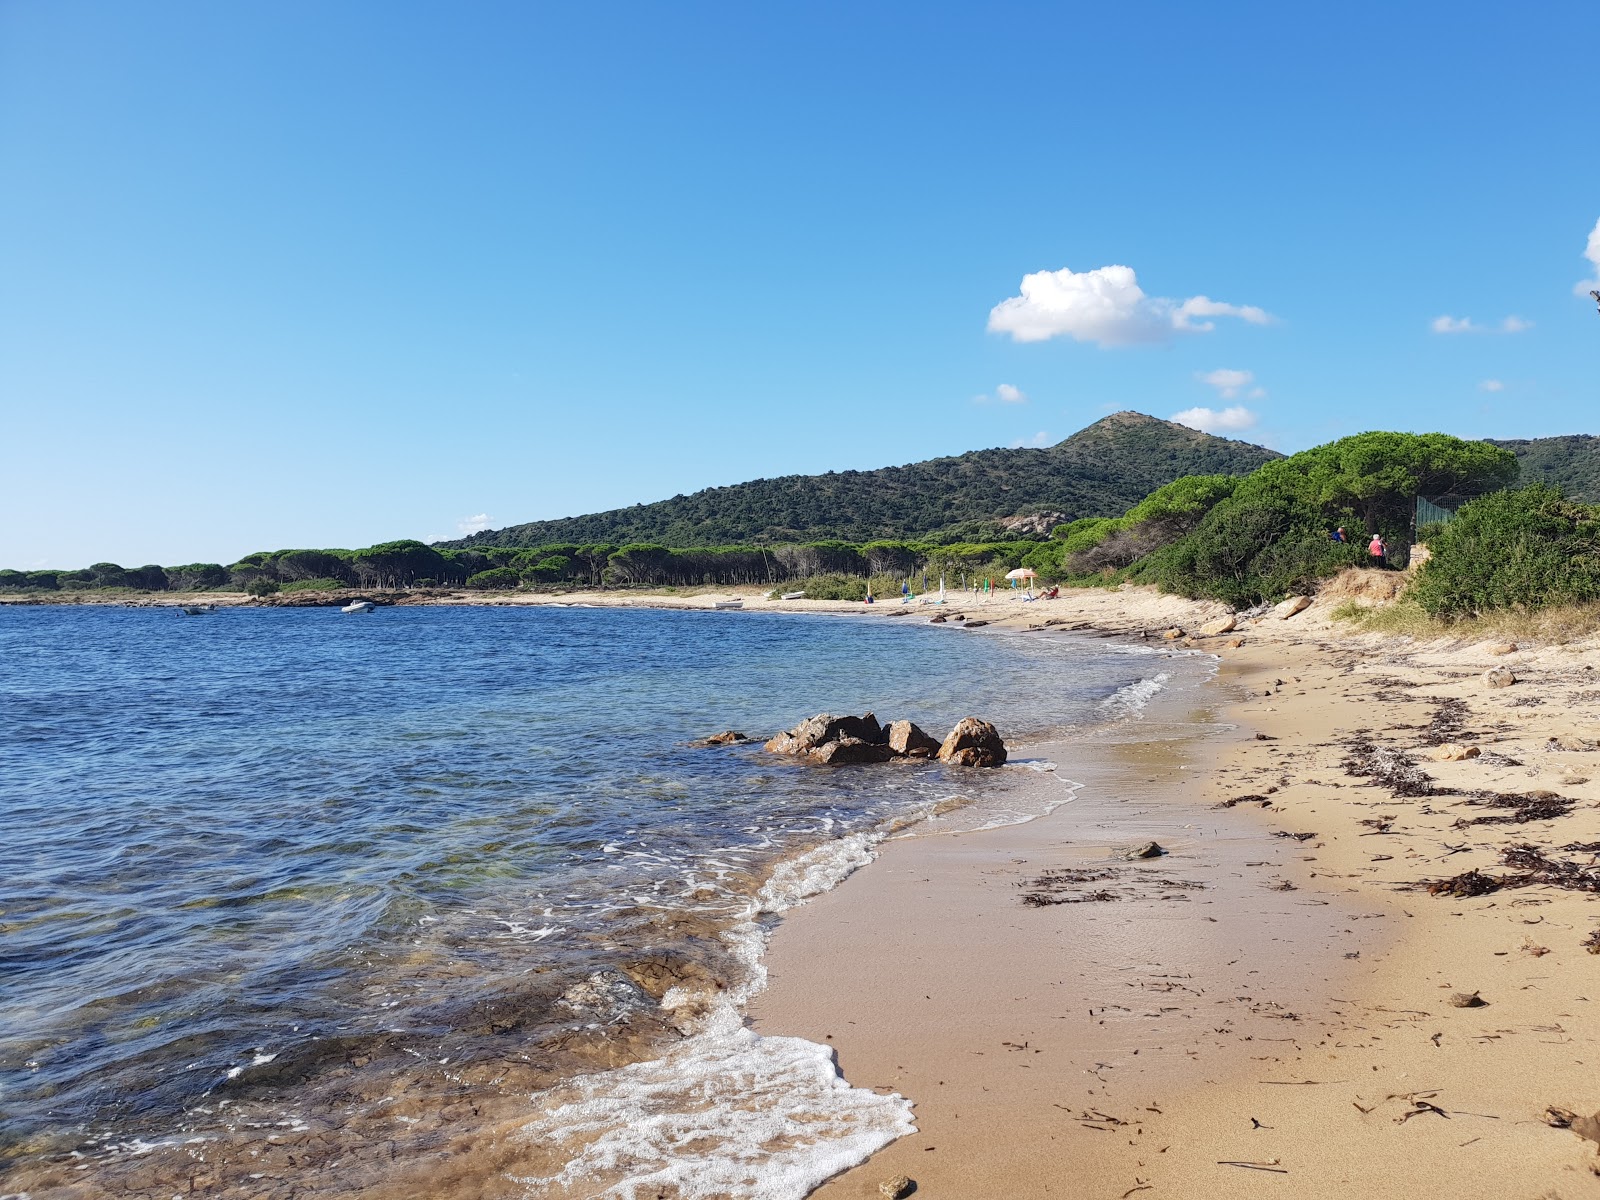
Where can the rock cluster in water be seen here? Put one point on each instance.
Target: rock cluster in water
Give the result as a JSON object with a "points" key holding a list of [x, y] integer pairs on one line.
{"points": [[833, 740]]}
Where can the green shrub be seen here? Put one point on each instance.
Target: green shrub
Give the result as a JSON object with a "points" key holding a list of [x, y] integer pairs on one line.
{"points": [[261, 587], [308, 585], [1247, 551], [1525, 549]]}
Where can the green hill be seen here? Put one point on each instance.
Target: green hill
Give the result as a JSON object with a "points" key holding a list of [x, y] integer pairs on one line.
{"points": [[1570, 462], [1099, 471]]}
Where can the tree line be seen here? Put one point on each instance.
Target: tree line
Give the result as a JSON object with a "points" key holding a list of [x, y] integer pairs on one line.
{"points": [[413, 564]]}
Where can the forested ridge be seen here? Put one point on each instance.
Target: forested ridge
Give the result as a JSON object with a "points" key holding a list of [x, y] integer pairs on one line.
{"points": [[1099, 471], [1207, 517]]}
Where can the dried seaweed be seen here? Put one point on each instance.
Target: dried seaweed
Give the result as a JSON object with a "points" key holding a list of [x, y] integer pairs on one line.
{"points": [[1582, 847], [1539, 868], [1592, 942], [1448, 722], [1387, 767], [1261, 800], [1537, 805], [1468, 883], [1299, 837]]}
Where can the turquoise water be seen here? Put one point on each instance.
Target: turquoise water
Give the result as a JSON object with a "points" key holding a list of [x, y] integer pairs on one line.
{"points": [[256, 837]]}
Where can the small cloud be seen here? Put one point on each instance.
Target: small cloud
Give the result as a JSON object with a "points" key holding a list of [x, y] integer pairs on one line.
{"points": [[1492, 385], [1211, 420], [1448, 324], [1259, 393], [1228, 383], [1106, 306], [473, 524], [1592, 253], [1037, 442], [1003, 394]]}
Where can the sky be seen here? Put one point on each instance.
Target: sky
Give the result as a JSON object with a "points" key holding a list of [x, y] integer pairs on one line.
{"points": [[326, 274]]}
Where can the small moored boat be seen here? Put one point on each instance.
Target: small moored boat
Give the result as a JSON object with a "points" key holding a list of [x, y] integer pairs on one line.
{"points": [[792, 596], [359, 606], [723, 604], [197, 610]]}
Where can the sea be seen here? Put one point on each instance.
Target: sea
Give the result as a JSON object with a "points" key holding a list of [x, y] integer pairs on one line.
{"points": [[447, 901]]}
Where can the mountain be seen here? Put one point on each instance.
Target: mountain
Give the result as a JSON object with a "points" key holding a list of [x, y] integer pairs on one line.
{"points": [[1570, 462], [1100, 471]]}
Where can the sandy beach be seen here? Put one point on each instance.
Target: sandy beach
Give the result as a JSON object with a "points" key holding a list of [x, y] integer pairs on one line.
{"points": [[1291, 1024]]}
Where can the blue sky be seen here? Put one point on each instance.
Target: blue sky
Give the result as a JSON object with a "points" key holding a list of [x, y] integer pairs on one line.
{"points": [[323, 274]]}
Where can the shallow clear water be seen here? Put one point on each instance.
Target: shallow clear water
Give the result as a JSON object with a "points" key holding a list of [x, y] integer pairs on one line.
{"points": [[245, 838]]}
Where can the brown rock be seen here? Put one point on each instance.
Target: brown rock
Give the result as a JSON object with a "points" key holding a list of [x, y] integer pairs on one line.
{"points": [[1454, 752], [973, 743], [727, 737], [1499, 677], [1235, 643], [897, 1188], [1503, 648], [1467, 1000], [907, 739], [1144, 850], [1290, 606], [825, 727], [1218, 627], [850, 750], [1172, 634]]}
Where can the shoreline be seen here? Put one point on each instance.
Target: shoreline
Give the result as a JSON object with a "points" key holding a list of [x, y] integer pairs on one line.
{"points": [[1350, 1075], [1345, 1067]]}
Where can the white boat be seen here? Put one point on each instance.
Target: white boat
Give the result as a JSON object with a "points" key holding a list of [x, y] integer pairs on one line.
{"points": [[722, 604], [197, 610], [360, 606], [792, 596]]}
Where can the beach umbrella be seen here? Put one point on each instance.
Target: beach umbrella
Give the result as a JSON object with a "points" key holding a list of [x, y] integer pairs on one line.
{"points": [[1022, 573]]}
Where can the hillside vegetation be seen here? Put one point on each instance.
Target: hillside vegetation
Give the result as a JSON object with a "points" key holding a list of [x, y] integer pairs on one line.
{"points": [[1099, 471], [1570, 463]]}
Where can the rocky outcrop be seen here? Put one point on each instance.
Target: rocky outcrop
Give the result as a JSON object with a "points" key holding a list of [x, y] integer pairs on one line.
{"points": [[907, 739], [973, 743], [1218, 627], [834, 741]]}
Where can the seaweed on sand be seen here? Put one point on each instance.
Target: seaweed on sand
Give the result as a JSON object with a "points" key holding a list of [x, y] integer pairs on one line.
{"points": [[1386, 767], [1533, 867], [1531, 806]]}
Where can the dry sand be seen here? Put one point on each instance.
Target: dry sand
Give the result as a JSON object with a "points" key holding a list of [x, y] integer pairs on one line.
{"points": [[1241, 1040]]}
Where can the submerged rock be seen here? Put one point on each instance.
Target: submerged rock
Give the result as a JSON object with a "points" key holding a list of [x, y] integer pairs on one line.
{"points": [[850, 750], [728, 737], [907, 739], [973, 743]]}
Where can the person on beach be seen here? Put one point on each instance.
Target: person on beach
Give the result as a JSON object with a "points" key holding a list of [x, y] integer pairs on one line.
{"points": [[1378, 550]]}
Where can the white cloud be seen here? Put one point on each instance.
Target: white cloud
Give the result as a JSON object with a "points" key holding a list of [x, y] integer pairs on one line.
{"points": [[1003, 394], [1449, 324], [473, 524], [1211, 420], [1492, 385], [1105, 306], [1037, 442], [1228, 383], [1592, 253]]}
